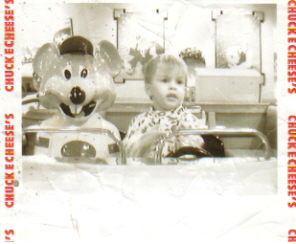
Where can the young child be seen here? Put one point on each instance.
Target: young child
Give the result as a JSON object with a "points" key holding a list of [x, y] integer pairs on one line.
{"points": [[165, 79]]}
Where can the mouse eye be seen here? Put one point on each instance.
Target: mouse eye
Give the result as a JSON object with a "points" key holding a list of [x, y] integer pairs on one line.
{"points": [[83, 73], [67, 74]]}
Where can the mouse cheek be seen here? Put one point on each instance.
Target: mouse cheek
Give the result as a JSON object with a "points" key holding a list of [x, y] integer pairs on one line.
{"points": [[55, 90]]}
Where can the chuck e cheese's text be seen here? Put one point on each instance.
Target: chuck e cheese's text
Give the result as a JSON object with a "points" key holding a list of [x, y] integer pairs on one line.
{"points": [[292, 160], [9, 160], [9, 44]]}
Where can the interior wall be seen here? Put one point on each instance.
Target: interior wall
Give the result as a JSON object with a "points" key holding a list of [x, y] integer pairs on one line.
{"points": [[188, 25]]}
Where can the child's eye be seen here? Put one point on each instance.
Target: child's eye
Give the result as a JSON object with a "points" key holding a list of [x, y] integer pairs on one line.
{"points": [[164, 80], [84, 73], [180, 82]]}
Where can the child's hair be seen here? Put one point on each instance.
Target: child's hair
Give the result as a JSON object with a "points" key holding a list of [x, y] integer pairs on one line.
{"points": [[151, 66]]}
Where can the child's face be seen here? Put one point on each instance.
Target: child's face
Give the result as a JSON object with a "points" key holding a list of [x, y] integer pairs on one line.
{"points": [[167, 88]]}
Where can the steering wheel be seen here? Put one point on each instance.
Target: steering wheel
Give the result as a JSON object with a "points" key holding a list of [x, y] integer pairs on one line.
{"points": [[213, 147], [190, 153]]}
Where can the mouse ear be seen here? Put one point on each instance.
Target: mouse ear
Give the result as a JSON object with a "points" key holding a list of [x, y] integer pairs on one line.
{"points": [[44, 58], [107, 54], [42, 61]]}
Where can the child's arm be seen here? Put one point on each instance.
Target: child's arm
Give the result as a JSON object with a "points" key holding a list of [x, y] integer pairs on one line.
{"points": [[140, 137], [190, 121], [144, 143]]}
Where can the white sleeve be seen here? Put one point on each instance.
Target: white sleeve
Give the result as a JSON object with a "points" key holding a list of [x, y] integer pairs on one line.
{"points": [[134, 132], [191, 121]]}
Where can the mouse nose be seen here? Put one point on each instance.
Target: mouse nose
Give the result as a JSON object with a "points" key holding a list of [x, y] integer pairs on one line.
{"points": [[77, 95]]}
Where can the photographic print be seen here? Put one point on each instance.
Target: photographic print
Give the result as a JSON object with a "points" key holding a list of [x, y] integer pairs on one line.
{"points": [[171, 121]]}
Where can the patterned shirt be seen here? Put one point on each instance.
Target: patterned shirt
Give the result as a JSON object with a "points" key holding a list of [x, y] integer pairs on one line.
{"points": [[165, 121]]}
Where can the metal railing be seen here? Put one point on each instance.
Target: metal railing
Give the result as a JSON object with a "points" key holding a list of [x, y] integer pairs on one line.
{"points": [[216, 132], [158, 157]]}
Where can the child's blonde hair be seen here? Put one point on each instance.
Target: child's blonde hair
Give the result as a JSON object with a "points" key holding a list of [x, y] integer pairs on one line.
{"points": [[151, 66]]}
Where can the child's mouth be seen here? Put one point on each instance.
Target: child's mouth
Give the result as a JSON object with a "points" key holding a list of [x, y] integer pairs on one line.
{"points": [[172, 97], [83, 111]]}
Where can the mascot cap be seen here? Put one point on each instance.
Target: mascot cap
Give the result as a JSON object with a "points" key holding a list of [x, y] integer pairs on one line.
{"points": [[76, 45]]}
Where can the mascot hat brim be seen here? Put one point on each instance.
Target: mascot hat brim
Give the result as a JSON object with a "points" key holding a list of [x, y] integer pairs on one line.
{"points": [[76, 45]]}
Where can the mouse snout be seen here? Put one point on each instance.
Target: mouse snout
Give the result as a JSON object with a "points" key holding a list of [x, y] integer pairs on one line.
{"points": [[77, 95]]}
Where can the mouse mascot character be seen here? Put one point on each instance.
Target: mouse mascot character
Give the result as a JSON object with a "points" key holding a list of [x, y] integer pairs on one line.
{"points": [[77, 81]]}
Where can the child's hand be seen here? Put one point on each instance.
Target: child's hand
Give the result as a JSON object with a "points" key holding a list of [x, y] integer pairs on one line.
{"points": [[191, 140], [145, 142]]}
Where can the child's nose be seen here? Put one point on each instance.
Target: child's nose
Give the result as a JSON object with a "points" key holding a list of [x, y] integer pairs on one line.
{"points": [[173, 85]]}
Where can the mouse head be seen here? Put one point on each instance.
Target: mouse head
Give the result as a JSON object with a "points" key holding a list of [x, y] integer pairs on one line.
{"points": [[74, 78]]}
